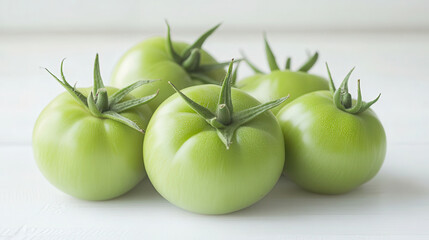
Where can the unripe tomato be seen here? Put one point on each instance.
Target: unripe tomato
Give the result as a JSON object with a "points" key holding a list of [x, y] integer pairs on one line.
{"points": [[160, 58], [203, 157], [281, 82], [92, 153], [331, 146]]}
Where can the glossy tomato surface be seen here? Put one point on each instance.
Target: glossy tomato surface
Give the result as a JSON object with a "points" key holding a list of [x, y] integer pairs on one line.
{"points": [[85, 156], [150, 60], [191, 167], [277, 84], [328, 150]]}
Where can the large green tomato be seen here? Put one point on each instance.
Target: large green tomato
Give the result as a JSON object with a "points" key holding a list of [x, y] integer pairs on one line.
{"points": [[330, 149], [87, 156], [279, 83], [152, 59], [188, 163]]}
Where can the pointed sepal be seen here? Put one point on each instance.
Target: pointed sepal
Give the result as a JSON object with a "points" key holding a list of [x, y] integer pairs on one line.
{"points": [[367, 105], [250, 64], [224, 107], [169, 45], [358, 106], [215, 66], [98, 103], [123, 106], [345, 83], [247, 115], [331, 81], [119, 95], [98, 82], [119, 118], [203, 78], [235, 74], [288, 63], [270, 55], [309, 64], [199, 42], [76, 94], [202, 111], [342, 98]]}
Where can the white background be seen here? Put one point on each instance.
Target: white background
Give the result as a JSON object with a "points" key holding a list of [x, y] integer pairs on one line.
{"points": [[238, 15], [388, 42]]}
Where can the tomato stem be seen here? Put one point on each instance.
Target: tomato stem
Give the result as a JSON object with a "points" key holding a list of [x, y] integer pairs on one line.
{"points": [[224, 107], [98, 102], [272, 63], [224, 120], [192, 62], [102, 100], [342, 98], [190, 58], [92, 106]]}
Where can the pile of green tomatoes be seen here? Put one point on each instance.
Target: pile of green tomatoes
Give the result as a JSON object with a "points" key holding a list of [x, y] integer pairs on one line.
{"points": [[208, 143]]}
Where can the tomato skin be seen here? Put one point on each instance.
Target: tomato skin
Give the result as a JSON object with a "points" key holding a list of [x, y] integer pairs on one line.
{"points": [[277, 84], [190, 166], [330, 151], [150, 60], [85, 156]]}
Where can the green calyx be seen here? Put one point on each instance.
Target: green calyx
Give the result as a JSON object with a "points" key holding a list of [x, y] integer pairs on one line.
{"points": [[190, 58], [343, 99], [272, 63], [100, 104], [224, 119]]}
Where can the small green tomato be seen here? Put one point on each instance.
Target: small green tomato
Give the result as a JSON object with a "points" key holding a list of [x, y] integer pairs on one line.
{"points": [[161, 58], [333, 143], [87, 142], [278, 83]]}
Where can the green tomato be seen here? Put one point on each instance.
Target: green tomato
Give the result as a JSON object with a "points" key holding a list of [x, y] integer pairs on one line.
{"points": [[152, 59], [87, 156], [192, 167], [331, 150], [279, 83]]}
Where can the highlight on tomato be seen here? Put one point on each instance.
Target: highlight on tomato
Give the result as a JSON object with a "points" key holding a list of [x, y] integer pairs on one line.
{"points": [[211, 149], [169, 61], [281, 82], [333, 143], [87, 142]]}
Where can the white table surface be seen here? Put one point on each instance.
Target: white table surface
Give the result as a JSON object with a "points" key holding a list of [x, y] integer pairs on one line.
{"points": [[394, 205]]}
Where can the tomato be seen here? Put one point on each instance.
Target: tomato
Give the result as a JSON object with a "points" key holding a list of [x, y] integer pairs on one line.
{"points": [[214, 159], [87, 142], [278, 83], [160, 58], [331, 146]]}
